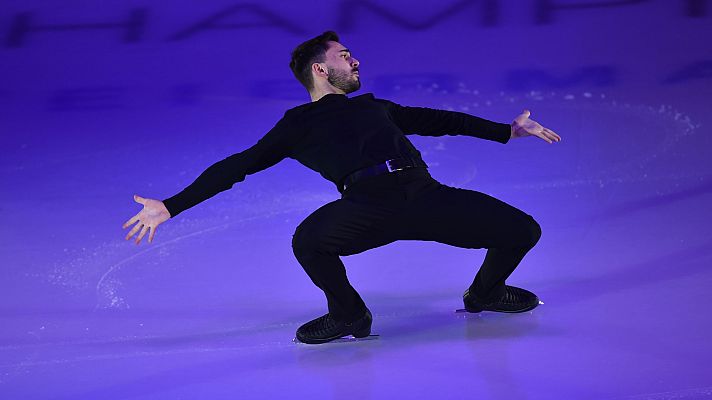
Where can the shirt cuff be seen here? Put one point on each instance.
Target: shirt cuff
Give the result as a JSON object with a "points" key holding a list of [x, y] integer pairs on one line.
{"points": [[503, 132]]}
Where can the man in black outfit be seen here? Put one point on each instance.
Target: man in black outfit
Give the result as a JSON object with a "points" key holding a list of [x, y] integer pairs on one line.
{"points": [[359, 143]]}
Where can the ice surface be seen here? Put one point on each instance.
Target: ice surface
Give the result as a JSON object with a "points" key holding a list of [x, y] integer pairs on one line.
{"points": [[210, 308]]}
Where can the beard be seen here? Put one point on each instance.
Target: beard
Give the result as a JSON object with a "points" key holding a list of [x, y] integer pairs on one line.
{"points": [[343, 80]]}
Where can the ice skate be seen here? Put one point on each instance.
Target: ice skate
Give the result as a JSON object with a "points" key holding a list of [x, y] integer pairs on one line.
{"points": [[514, 300], [325, 329]]}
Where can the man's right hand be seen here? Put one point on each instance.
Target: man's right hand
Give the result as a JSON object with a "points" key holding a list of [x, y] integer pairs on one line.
{"points": [[153, 214]]}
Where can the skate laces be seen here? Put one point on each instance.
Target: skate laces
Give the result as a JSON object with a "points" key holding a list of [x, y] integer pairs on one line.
{"points": [[515, 295], [322, 325], [512, 295]]}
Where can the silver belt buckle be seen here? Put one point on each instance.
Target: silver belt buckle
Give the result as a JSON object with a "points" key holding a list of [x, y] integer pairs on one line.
{"points": [[390, 168]]}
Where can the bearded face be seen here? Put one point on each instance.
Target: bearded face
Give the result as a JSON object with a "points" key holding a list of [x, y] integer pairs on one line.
{"points": [[346, 80]]}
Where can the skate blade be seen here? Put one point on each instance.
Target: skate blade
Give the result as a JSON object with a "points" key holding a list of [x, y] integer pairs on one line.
{"points": [[462, 310], [345, 339]]}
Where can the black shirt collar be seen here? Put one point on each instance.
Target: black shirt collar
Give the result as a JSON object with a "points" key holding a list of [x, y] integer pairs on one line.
{"points": [[338, 96], [331, 96]]}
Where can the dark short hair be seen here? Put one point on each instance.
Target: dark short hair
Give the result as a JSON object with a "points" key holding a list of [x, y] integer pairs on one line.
{"points": [[310, 52]]}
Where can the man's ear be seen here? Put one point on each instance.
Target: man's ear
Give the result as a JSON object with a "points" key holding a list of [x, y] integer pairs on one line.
{"points": [[320, 69]]}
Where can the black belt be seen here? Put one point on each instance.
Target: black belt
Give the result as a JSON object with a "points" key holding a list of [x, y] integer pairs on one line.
{"points": [[392, 165]]}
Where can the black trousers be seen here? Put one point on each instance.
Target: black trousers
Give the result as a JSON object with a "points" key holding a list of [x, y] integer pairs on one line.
{"points": [[410, 205]]}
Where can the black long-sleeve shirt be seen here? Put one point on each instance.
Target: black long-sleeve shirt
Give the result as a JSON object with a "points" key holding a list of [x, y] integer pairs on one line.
{"points": [[335, 136]]}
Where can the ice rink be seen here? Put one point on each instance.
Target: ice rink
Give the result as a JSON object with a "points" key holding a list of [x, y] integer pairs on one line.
{"points": [[90, 116]]}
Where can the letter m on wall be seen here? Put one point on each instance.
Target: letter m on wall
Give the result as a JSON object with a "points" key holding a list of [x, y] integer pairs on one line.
{"points": [[351, 11]]}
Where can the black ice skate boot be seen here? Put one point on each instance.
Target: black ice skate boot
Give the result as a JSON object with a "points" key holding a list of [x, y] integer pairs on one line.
{"points": [[515, 300], [325, 329]]}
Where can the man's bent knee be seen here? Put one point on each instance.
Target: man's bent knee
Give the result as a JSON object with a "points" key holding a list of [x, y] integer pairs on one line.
{"points": [[526, 234], [301, 240], [306, 241], [533, 232]]}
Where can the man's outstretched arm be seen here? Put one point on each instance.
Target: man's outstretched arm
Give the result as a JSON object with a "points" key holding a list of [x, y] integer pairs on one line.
{"points": [[434, 122], [268, 151]]}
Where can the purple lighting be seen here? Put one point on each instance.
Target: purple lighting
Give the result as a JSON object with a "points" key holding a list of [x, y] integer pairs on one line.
{"points": [[102, 101]]}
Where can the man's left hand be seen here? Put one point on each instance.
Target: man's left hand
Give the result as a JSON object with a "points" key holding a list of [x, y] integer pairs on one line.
{"points": [[523, 126]]}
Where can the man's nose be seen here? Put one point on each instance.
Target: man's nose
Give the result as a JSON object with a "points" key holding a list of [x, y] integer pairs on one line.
{"points": [[355, 63]]}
